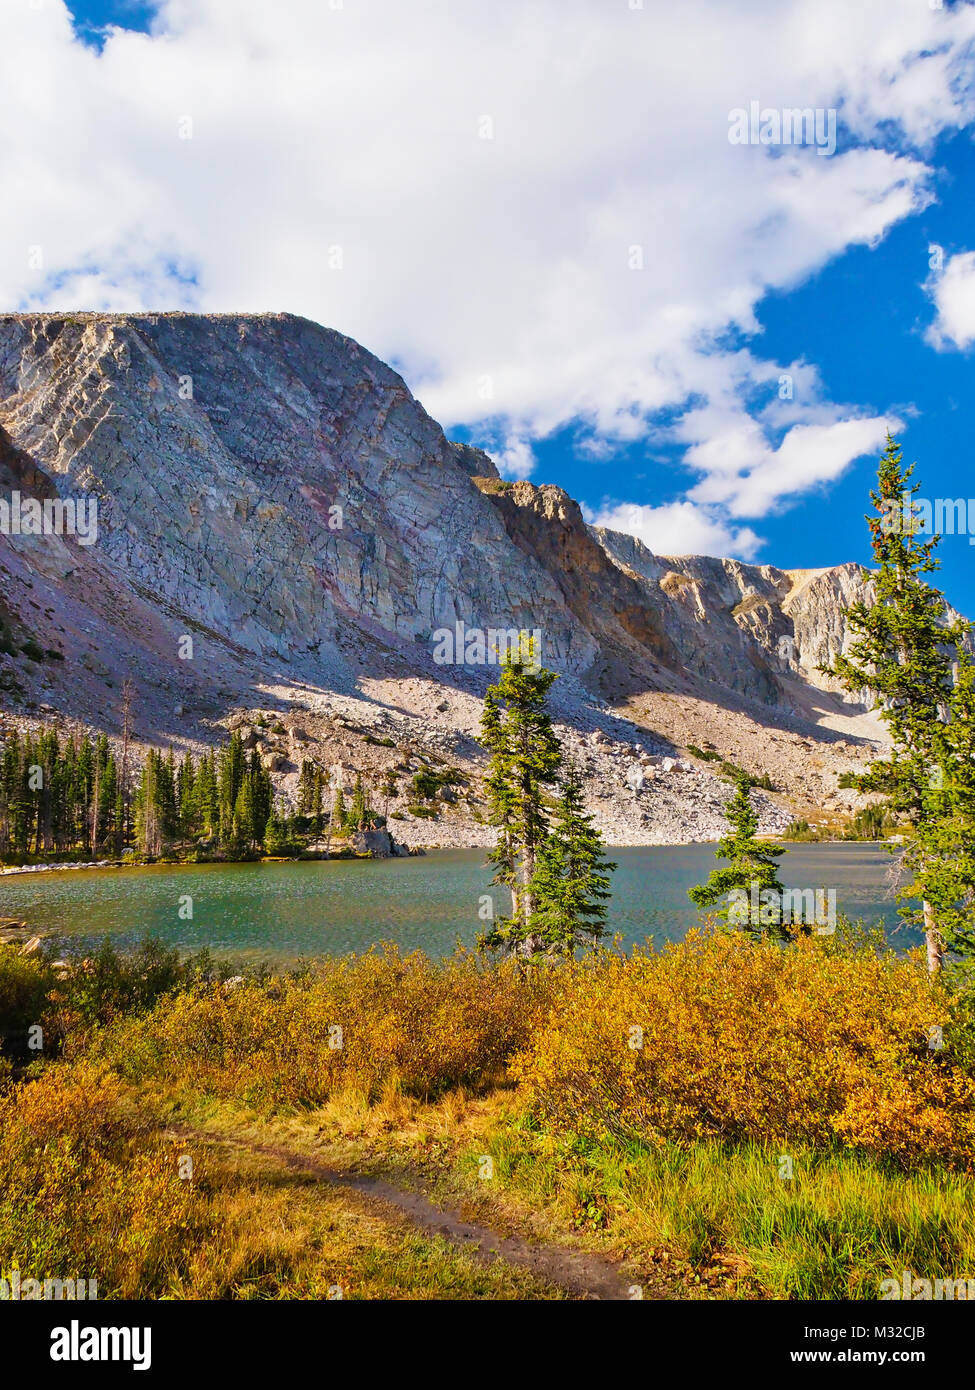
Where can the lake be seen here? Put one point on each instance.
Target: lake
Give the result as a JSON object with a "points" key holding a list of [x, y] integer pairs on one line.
{"points": [[282, 912]]}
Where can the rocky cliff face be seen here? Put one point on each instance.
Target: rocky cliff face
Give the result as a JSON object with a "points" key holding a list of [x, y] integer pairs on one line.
{"points": [[753, 628], [218, 448], [272, 491]]}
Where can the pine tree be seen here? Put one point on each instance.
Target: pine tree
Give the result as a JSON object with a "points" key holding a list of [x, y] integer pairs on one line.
{"points": [[516, 730], [187, 796], [122, 809], [108, 799], [245, 812], [167, 795], [207, 796], [317, 802], [263, 796], [902, 653], [750, 876], [338, 813], [359, 816], [147, 809], [306, 788], [85, 781], [941, 856], [230, 778], [48, 756], [570, 887], [277, 840]]}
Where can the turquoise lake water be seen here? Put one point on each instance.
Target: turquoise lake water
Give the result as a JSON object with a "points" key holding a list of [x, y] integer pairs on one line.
{"points": [[283, 912]]}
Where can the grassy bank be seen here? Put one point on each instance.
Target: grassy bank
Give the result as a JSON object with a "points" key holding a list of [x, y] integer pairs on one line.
{"points": [[729, 1119]]}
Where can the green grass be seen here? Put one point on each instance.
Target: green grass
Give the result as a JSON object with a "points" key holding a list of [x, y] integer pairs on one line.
{"points": [[836, 1230], [702, 1220]]}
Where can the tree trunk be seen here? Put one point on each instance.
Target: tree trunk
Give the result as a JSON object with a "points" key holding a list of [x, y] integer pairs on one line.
{"points": [[122, 832], [94, 813], [932, 940], [526, 897], [531, 943]]}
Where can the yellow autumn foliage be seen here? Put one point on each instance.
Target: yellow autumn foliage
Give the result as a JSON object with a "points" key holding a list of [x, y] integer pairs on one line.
{"points": [[352, 1023], [719, 1038], [714, 1038], [88, 1187]]}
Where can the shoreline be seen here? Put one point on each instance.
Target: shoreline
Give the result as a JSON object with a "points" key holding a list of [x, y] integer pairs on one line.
{"points": [[77, 867]]}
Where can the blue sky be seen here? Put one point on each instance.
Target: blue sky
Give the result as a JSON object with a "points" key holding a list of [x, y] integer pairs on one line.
{"points": [[861, 320], [91, 18], [480, 179]]}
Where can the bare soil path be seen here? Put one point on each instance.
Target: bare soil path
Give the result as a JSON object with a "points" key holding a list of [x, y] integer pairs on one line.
{"points": [[582, 1274]]}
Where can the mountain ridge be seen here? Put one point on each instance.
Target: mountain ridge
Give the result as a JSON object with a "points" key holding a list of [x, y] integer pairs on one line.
{"points": [[273, 490]]}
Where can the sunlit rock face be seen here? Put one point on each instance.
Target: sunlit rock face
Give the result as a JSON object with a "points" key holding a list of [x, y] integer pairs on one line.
{"points": [[265, 477], [271, 489]]}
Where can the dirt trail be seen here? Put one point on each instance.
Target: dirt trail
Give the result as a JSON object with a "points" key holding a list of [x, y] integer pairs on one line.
{"points": [[580, 1273]]}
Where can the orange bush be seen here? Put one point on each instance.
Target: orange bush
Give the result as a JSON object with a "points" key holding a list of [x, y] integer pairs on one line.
{"points": [[430, 1024], [721, 1038], [87, 1188]]}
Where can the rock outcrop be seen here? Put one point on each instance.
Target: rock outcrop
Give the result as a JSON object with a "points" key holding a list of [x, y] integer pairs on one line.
{"points": [[282, 530]]}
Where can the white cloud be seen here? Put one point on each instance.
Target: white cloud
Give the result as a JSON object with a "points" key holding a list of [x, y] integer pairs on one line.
{"points": [[515, 459], [677, 528], [748, 477], [953, 293], [510, 260]]}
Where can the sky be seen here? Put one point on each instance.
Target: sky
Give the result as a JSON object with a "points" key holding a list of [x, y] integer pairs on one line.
{"points": [[543, 214]]}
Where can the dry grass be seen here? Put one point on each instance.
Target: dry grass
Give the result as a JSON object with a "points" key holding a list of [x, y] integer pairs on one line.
{"points": [[92, 1189], [670, 1152]]}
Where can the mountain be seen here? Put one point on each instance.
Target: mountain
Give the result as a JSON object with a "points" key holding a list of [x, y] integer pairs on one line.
{"points": [[273, 492]]}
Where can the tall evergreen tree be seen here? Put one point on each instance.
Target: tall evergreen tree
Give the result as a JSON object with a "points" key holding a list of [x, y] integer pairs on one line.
{"points": [[306, 785], [516, 729], [148, 811], [317, 801], [207, 796], [167, 795], [940, 857], [122, 798], [359, 816], [245, 814], [231, 768], [751, 871], [902, 653], [187, 796], [85, 784], [570, 887], [277, 842]]}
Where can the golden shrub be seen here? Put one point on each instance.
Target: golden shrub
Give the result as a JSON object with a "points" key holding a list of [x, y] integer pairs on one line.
{"points": [[88, 1189], [722, 1038], [354, 1023]]}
